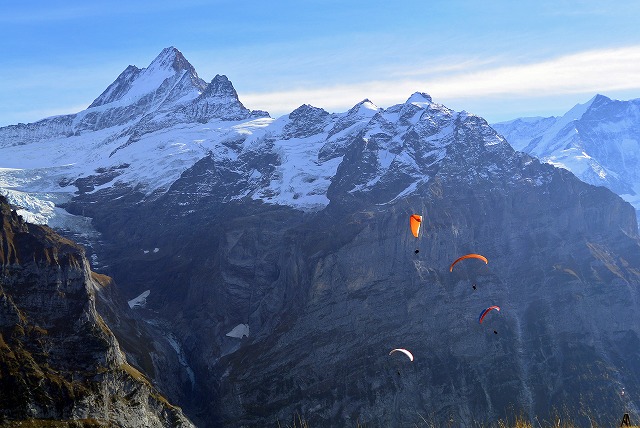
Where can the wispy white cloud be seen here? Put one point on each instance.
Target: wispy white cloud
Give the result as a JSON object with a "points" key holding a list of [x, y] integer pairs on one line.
{"points": [[586, 72], [591, 71], [446, 65], [470, 83]]}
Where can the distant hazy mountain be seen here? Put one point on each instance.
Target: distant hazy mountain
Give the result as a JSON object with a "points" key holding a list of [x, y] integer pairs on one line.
{"points": [[275, 257], [598, 141]]}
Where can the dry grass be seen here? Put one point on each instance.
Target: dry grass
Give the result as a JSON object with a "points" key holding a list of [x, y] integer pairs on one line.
{"points": [[49, 423], [102, 280], [135, 373], [518, 422], [298, 422]]}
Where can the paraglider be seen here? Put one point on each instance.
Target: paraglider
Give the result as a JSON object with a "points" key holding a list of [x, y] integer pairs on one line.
{"points": [[468, 256], [414, 221], [486, 311], [404, 351]]}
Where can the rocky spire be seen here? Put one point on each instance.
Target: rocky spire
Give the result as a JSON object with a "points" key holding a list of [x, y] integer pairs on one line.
{"points": [[134, 83], [220, 87]]}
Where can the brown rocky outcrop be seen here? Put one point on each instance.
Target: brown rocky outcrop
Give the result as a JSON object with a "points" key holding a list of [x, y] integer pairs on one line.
{"points": [[59, 361]]}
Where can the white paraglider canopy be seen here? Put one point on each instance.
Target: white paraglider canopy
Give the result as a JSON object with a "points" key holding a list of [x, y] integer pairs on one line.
{"points": [[404, 351]]}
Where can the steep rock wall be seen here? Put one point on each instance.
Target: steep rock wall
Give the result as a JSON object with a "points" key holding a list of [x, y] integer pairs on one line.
{"points": [[58, 358]]}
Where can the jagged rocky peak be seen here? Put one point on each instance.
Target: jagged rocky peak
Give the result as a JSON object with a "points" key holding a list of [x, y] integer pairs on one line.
{"points": [[172, 58], [220, 100], [307, 112], [134, 83], [118, 88], [417, 107], [402, 147], [599, 98], [221, 87], [357, 115], [601, 106], [305, 121], [417, 102]]}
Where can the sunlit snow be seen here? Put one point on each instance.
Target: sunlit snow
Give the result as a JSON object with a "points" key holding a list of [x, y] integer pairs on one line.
{"points": [[140, 301], [239, 331], [152, 161]]}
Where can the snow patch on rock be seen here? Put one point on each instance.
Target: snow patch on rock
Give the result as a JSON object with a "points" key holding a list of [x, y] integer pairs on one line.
{"points": [[239, 331], [140, 301]]}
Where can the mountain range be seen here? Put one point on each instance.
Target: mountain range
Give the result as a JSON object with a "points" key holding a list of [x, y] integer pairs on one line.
{"points": [[269, 266], [598, 141]]}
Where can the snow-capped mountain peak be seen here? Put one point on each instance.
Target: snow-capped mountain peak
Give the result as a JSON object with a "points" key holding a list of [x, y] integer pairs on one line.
{"points": [[155, 81], [598, 141], [153, 125], [171, 58], [364, 108], [119, 88], [420, 99], [305, 121], [220, 87], [598, 100], [578, 111], [219, 101]]}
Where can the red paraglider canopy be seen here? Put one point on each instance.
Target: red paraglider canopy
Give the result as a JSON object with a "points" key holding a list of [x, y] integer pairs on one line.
{"points": [[486, 311]]}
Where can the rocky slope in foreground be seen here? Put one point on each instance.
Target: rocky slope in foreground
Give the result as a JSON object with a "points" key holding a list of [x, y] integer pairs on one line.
{"points": [[58, 359]]}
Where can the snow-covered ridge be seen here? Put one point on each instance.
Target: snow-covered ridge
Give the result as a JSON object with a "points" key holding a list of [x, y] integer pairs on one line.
{"points": [[153, 124], [135, 83], [599, 141]]}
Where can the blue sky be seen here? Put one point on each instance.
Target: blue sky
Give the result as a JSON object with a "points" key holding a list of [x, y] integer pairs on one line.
{"points": [[497, 59]]}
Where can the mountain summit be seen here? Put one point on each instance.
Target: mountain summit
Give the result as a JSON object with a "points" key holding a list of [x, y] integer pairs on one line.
{"points": [[157, 79], [598, 141], [220, 100]]}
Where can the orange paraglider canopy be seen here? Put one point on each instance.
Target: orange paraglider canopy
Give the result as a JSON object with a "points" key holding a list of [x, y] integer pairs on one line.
{"points": [[415, 222], [468, 256]]}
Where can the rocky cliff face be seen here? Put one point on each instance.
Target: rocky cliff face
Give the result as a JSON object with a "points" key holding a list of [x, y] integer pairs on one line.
{"points": [[326, 294], [58, 359]]}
